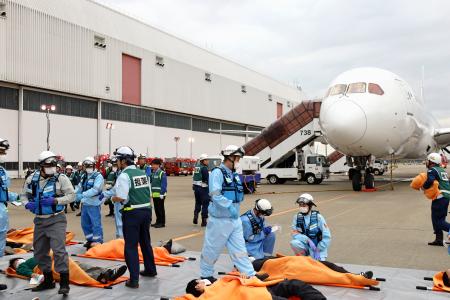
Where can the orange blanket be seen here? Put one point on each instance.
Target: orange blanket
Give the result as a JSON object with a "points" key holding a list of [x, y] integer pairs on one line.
{"points": [[25, 236], [114, 250], [439, 284], [232, 287], [76, 276], [432, 193], [313, 272]]}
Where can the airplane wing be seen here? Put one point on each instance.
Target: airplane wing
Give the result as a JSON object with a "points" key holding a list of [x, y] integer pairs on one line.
{"points": [[442, 136]]}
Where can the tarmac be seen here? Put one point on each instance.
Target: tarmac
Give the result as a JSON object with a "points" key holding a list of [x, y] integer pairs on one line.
{"points": [[385, 228]]}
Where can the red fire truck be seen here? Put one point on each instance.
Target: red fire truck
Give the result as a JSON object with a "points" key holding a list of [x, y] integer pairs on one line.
{"points": [[178, 166]]}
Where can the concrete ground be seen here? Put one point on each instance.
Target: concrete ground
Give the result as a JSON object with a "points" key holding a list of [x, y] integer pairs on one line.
{"points": [[383, 228]]}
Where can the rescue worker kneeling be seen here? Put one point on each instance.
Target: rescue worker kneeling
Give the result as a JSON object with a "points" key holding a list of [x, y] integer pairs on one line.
{"points": [[259, 238], [278, 291], [47, 192], [311, 235]]}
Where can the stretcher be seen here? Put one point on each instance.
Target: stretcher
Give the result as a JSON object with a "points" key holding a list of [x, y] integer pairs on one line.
{"points": [[438, 284], [25, 236]]}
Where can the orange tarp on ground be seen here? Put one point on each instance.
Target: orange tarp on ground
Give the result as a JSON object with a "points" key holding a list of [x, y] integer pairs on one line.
{"points": [[439, 284], [313, 272], [76, 276], [432, 193], [25, 236], [232, 287], [114, 250]]}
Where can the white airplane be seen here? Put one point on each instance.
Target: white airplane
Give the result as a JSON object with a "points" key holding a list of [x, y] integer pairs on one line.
{"points": [[370, 111]]}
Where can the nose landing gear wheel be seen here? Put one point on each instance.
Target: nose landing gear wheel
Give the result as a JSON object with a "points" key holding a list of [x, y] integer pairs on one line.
{"points": [[356, 181], [369, 181]]}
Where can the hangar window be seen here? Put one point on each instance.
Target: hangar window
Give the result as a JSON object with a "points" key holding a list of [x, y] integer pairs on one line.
{"points": [[165, 119], [375, 89], [228, 126], [124, 113], [338, 89], [203, 125], [9, 98], [254, 128], [358, 87]]}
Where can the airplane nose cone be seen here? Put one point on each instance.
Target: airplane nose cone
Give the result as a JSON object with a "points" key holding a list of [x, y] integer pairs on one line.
{"points": [[343, 123]]}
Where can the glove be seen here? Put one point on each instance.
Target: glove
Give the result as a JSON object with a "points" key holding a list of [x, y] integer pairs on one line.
{"points": [[267, 230], [101, 196], [233, 212], [162, 197], [48, 201], [108, 202], [316, 254], [30, 206], [312, 245]]}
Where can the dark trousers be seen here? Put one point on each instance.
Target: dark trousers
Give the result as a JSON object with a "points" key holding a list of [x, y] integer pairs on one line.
{"points": [[111, 208], [136, 229], [258, 264], [439, 210], [294, 288], [160, 211], [201, 201]]}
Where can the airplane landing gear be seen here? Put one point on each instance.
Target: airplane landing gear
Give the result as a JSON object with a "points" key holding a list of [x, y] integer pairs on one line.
{"points": [[356, 180], [369, 180]]}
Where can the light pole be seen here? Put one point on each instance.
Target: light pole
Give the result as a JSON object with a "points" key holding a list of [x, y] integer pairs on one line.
{"points": [[110, 127], [47, 108], [176, 139], [191, 141]]}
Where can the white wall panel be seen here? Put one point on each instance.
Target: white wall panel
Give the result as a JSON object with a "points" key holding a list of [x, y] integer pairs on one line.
{"points": [[9, 130]]}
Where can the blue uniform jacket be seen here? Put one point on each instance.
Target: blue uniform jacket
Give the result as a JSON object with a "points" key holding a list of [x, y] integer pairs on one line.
{"points": [[249, 237], [326, 234], [90, 197]]}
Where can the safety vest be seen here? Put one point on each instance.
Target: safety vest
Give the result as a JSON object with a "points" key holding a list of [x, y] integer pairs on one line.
{"points": [[3, 188], [111, 177], [232, 188], [87, 182], [36, 194], [156, 180], [257, 227], [313, 231], [197, 178], [139, 192], [444, 184]]}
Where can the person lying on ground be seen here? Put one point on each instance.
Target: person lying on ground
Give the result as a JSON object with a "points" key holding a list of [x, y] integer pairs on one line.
{"points": [[446, 278], [103, 275], [279, 291]]}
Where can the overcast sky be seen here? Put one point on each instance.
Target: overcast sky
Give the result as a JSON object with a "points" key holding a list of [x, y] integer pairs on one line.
{"points": [[309, 42]]}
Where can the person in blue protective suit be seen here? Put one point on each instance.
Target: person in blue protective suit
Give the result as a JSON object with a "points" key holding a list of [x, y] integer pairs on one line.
{"points": [[5, 196], [310, 233], [47, 193], [109, 193], [224, 227], [201, 191], [439, 206], [88, 192], [259, 238]]}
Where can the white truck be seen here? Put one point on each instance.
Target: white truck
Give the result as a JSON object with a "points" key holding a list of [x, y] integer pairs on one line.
{"points": [[312, 168], [340, 166]]}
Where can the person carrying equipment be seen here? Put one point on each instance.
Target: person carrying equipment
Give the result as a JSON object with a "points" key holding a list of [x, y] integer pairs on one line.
{"points": [[439, 206], [224, 227], [47, 192], [310, 233], [158, 181], [133, 191], [88, 191], [259, 238], [111, 176], [200, 187]]}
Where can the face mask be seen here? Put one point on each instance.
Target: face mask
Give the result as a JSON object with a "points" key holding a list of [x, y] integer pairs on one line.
{"points": [[89, 170], [114, 169], [206, 281], [50, 171], [19, 261], [304, 210], [236, 165]]}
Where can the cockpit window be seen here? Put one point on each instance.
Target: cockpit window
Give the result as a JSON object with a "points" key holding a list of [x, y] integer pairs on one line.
{"points": [[338, 89], [375, 89], [358, 87]]}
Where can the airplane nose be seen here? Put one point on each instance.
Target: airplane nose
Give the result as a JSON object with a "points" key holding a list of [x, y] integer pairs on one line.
{"points": [[343, 123]]}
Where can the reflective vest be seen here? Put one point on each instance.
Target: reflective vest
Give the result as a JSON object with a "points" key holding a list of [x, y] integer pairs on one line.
{"points": [[139, 192], [72, 178], [257, 227], [87, 182], [313, 231], [197, 178], [156, 180], [111, 177], [36, 194], [444, 184], [3, 188], [232, 188]]}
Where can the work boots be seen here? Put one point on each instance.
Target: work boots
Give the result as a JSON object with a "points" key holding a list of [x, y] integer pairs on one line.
{"points": [[64, 284], [204, 222], [439, 241], [47, 284], [195, 221]]}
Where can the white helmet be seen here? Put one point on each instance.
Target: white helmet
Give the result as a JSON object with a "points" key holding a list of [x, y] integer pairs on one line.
{"points": [[203, 157], [79, 164], [69, 167], [233, 150], [4, 144], [89, 161], [305, 198], [47, 157], [264, 207], [123, 152], [434, 158]]}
